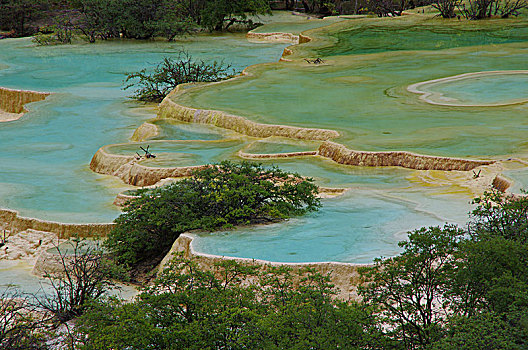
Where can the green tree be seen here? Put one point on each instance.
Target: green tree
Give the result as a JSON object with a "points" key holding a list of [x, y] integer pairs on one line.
{"points": [[492, 275], [99, 19], [231, 306], [481, 331], [217, 196], [410, 289], [498, 215], [222, 14], [17, 15], [153, 87]]}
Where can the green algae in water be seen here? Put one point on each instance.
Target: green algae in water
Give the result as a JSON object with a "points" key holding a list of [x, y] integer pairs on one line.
{"points": [[408, 35], [364, 98]]}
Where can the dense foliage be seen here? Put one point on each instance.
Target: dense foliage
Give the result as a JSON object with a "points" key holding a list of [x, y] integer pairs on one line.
{"points": [[447, 290], [19, 15], [137, 19], [455, 289], [218, 196], [191, 308], [153, 87]]}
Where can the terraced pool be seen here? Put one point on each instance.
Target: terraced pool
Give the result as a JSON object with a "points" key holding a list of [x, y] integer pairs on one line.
{"points": [[361, 91]]}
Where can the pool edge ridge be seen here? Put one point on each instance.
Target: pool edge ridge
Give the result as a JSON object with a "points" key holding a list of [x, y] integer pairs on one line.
{"points": [[345, 276], [343, 155], [13, 102], [15, 223], [169, 109]]}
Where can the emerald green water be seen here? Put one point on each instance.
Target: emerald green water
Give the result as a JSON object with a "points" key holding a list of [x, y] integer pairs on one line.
{"points": [[405, 35], [365, 99]]}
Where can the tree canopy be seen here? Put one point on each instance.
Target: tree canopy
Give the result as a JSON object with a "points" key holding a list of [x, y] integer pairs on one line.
{"points": [[218, 196]]}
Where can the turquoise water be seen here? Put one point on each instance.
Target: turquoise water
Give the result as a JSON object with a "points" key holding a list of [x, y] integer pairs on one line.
{"points": [[44, 164], [44, 172], [178, 154], [356, 228], [481, 90]]}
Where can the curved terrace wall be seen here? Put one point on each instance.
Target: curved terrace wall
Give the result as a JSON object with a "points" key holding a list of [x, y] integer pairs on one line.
{"points": [[131, 172], [171, 110], [342, 155], [13, 101], [275, 155], [344, 276], [11, 221], [276, 37]]}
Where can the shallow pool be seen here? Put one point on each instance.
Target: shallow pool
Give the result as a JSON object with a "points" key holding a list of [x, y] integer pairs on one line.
{"points": [[44, 163]]}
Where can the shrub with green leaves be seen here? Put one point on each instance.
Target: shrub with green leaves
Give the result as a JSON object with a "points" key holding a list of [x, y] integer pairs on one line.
{"points": [[188, 307], [153, 87], [218, 196]]}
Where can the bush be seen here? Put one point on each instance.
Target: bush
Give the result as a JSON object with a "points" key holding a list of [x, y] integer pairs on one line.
{"points": [[172, 72], [21, 324], [191, 308], [218, 196], [87, 276]]}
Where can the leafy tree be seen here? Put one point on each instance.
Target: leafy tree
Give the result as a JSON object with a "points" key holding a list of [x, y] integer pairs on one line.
{"points": [[143, 19], [232, 306], [492, 271], [153, 87], [217, 196], [410, 289], [481, 331], [323, 7], [222, 14], [99, 19], [498, 215], [18, 14]]}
